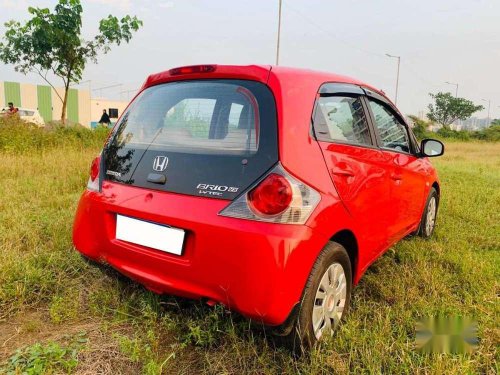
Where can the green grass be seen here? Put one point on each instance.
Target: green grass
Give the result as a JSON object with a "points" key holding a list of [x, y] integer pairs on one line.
{"points": [[45, 358], [17, 137], [48, 293]]}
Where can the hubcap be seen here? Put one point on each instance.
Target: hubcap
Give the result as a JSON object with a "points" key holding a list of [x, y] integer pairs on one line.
{"points": [[329, 301], [431, 216]]}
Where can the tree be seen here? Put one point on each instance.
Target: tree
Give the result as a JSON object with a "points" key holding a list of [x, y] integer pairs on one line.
{"points": [[446, 109], [420, 127], [495, 122], [52, 43]]}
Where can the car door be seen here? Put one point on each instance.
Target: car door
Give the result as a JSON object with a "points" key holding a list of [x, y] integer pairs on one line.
{"points": [[409, 171], [356, 166]]}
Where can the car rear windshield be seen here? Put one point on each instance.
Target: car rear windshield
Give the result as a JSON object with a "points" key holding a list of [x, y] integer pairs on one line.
{"points": [[207, 133], [194, 117]]}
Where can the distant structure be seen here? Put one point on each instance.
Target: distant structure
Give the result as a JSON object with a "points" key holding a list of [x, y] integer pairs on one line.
{"points": [[81, 108], [114, 108], [472, 123]]}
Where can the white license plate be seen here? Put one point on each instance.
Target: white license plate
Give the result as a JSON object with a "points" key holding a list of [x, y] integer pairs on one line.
{"points": [[151, 235]]}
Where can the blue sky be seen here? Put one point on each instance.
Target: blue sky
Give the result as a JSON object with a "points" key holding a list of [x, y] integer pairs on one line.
{"points": [[438, 41]]}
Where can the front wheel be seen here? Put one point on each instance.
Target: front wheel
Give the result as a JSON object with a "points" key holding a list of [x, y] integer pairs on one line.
{"points": [[325, 299], [428, 221]]}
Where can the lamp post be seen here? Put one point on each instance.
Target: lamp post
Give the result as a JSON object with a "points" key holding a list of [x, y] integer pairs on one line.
{"points": [[489, 105], [456, 89], [279, 34], [397, 77]]}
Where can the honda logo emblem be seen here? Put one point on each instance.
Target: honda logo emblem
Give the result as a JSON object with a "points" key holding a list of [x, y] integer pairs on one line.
{"points": [[160, 163]]}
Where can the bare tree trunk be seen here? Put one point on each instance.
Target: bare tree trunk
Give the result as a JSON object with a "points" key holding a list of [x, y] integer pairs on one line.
{"points": [[65, 101], [67, 81]]}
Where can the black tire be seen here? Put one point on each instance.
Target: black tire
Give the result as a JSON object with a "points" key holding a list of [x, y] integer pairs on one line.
{"points": [[423, 229], [300, 338]]}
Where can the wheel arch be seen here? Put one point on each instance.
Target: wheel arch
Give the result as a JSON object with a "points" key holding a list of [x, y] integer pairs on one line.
{"points": [[436, 186], [348, 240]]}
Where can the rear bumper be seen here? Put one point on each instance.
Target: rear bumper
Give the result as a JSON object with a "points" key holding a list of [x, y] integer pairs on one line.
{"points": [[258, 269]]}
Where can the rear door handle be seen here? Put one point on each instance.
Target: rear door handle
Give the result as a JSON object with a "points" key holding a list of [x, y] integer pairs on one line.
{"points": [[396, 177]]}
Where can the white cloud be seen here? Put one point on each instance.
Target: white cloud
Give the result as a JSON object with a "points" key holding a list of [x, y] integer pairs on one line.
{"points": [[128, 5], [120, 4], [168, 4], [14, 4]]}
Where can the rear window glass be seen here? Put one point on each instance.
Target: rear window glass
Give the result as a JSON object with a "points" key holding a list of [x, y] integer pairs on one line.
{"points": [[210, 117], [220, 134], [339, 118]]}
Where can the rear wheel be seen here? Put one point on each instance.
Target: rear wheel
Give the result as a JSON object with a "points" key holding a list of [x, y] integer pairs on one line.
{"points": [[325, 299], [428, 221]]}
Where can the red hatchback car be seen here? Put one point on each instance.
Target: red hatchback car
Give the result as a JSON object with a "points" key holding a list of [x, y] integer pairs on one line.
{"points": [[267, 189]]}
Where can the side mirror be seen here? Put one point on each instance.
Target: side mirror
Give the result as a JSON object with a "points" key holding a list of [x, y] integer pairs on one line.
{"points": [[431, 148]]}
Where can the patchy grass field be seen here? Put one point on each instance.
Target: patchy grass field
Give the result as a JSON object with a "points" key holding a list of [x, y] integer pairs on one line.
{"points": [[59, 314]]}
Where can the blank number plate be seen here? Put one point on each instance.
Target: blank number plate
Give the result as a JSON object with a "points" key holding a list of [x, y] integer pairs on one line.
{"points": [[151, 235]]}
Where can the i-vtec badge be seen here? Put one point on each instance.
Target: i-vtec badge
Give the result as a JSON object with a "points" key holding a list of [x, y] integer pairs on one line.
{"points": [[217, 190], [113, 173]]}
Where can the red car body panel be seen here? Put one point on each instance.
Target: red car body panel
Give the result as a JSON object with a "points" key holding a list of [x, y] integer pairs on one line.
{"points": [[257, 268], [243, 264]]}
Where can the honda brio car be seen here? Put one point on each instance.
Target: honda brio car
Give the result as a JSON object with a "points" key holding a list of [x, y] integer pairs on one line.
{"points": [[269, 190]]}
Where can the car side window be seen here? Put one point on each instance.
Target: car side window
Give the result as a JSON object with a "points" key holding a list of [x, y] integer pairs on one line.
{"points": [[341, 118], [393, 134]]}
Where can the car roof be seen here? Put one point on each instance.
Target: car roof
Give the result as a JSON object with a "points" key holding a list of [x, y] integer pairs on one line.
{"points": [[322, 77], [260, 73]]}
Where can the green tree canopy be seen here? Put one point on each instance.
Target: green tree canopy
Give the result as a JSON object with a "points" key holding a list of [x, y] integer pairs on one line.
{"points": [[51, 42], [446, 109], [420, 127]]}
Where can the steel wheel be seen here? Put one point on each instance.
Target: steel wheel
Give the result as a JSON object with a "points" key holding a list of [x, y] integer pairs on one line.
{"points": [[325, 300], [329, 301], [431, 216]]}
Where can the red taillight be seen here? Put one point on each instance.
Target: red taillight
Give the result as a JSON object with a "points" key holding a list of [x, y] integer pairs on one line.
{"points": [[278, 198], [94, 168], [272, 196], [192, 69]]}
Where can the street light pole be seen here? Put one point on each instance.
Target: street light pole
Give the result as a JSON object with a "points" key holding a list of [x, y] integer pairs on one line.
{"points": [[397, 77], [454, 84], [279, 34]]}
